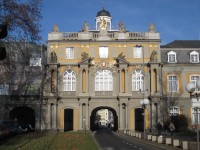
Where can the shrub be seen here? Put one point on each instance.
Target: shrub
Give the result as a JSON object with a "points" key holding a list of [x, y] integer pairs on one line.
{"points": [[180, 122]]}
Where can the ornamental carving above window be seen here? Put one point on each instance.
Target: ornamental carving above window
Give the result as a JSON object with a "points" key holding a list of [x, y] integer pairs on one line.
{"points": [[111, 66]]}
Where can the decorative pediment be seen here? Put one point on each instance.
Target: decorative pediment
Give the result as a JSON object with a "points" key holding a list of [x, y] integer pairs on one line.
{"points": [[104, 65], [121, 59], [85, 59], [84, 56], [122, 56]]}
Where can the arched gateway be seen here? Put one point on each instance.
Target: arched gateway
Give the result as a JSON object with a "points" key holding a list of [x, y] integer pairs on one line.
{"points": [[98, 69], [95, 126], [24, 115]]}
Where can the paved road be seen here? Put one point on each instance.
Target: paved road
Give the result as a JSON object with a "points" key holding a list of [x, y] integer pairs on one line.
{"points": [[108, 140]]}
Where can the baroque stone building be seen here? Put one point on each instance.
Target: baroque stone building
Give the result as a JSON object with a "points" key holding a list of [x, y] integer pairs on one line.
{"points": [[98, 69], [87, 71], [180, 60]]}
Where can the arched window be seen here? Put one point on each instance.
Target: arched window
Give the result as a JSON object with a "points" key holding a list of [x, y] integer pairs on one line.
{"points": [[137, 80], [69, 81], [174, 110], [103, 81]]}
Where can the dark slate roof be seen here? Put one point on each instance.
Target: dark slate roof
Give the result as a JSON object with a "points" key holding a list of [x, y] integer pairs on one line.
{"points": [[103, 12], [183, 56], [183, 44]]}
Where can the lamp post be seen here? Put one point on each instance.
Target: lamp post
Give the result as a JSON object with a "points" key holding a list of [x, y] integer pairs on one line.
{"points": [[190, 88], [143, 103]]}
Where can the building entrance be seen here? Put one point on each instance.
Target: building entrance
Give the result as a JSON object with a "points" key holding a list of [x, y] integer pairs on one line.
{"points": [[97, 121], [139, 119], [68, 119]]}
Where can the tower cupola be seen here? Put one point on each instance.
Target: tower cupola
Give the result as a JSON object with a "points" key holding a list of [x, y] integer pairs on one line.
{"points": [[103, 20]]}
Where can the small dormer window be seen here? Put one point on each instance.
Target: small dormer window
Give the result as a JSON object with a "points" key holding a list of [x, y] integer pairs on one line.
{"points": [[172, 57], [194, 57]]}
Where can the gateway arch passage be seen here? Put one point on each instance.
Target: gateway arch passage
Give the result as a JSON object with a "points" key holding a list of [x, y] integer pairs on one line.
{"points": [[24, 115], [95, 122]]}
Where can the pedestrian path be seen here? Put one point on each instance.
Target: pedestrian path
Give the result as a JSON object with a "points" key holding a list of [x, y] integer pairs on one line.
{"points": [[164, 140]]}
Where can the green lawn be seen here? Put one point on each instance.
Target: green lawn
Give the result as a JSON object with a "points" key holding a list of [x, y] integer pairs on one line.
{"points": [[51, 141]]}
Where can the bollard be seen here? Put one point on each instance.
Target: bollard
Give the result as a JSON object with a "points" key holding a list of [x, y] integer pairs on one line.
{"points": [[168, 141], [185, 145], [176, 142]]}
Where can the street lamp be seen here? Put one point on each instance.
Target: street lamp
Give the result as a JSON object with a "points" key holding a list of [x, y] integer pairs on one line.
{"points": [[190, 88], [143, 103]]}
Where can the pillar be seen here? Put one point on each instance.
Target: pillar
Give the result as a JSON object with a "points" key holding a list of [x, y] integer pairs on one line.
{"points": [[87, 116], [120, 81], [81, 80], [84, 81], [87, 81], [53, 117], [126, 114], [120, 117], [80, 116], [126, 81]]}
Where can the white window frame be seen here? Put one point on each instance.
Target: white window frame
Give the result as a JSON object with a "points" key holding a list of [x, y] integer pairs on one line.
{"points": [[4, 89], [103, 80], [35, 61], [137, 52], [69, 81], [172, 57], [194, 115], [137, 80], [194, 78], [174, 110], [69, 52], [173, 85], [103, 52], [194, 57]]}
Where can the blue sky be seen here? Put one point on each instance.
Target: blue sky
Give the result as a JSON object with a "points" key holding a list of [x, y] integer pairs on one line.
{"points": [[174, 19]]}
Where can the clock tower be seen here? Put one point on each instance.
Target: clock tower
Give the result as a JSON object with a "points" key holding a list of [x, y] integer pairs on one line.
{"points": [[103, 20]]}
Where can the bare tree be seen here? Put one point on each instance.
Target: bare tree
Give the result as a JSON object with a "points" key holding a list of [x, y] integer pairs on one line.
{"points": [[22, 20]]}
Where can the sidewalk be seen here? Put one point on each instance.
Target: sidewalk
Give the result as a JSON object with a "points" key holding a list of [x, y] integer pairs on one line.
{"points": [[177, 141], [158, 145], [175, 136]]}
